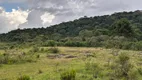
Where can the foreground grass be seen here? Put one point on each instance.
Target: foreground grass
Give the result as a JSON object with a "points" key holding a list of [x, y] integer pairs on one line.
{"points": [[47, 68]]}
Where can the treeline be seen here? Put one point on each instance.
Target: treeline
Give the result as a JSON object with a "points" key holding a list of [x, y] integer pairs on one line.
{"points": [[120, 30]]}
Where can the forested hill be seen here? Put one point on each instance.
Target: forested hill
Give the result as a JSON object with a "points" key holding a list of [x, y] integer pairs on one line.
{"points": [[92, 31]]}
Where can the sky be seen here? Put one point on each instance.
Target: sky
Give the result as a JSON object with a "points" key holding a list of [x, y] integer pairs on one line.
{"points": [[22, 14]]}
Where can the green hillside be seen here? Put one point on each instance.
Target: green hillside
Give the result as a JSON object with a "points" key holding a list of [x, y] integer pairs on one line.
{"points": [[123, 29]]}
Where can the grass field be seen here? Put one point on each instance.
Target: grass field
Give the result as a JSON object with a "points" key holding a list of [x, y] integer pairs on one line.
{"points": [[49, 66]]}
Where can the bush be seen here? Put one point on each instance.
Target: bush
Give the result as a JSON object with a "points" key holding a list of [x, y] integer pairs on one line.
{"points": [[138, 45], [133, 75], [35, 49], [75, 44], [123, 69], [93, 68], [68, 75], [4, 59], [53, 50], [51, 43], [16, 58], [40, 71], [0, 65], [140, 71], [24, 78], [132, 45], [38, 56], [42, 49]]}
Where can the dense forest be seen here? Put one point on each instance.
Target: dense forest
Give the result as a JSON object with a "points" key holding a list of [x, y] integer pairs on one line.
{"points": [[120, 30]]}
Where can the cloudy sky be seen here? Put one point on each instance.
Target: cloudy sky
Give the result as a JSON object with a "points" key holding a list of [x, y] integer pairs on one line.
{"points": [[42, 13]]}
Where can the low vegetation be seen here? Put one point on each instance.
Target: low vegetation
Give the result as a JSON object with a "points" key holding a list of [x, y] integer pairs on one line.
{"points": [[72, 63], [53, 50], [68, 75], [13, 57], [24, 78]]}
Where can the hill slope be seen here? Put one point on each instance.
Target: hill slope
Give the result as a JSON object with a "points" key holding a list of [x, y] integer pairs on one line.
{"points": [[87, 31]]}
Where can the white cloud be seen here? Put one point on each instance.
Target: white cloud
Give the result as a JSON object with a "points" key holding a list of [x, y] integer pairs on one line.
{"points": [[11, 20], [38, 18], [47, 18]]}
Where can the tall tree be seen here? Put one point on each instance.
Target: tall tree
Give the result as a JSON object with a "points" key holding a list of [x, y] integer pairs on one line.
{"points": [[122, 27]]}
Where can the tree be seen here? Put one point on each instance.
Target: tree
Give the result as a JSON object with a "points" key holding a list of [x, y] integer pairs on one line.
{"points": [[56, 36], [122, 27], [85, 34]]}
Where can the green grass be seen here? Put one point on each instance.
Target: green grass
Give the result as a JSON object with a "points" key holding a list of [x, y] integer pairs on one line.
{"points": [[71, 58]]}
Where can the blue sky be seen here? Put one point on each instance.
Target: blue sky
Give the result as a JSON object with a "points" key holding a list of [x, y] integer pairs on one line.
{"points": [[8, 6], [43, 13]]}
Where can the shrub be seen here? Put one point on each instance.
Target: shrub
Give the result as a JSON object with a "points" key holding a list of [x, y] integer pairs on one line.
{"points": [[40, 71], [42, 49], [138, 45], [123, 69], [68, 75], [24, 78], [51, 43], [14, 59], [140, 71], [35, 49], [75, 44], [0, 65], [133, 74], [123, 59], [93, 68], [4, 59], [38, 56], [53, 50]]}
